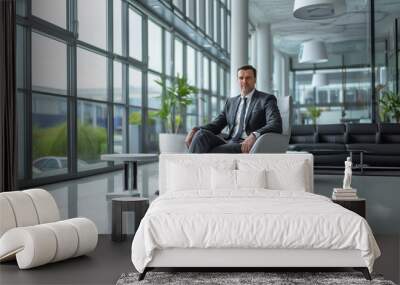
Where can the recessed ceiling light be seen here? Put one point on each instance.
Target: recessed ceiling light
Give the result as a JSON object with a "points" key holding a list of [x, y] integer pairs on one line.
{"points": [[318, 9]]}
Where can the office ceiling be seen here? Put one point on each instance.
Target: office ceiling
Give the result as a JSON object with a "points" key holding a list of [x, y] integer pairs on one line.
{"points": [[345, 33]]}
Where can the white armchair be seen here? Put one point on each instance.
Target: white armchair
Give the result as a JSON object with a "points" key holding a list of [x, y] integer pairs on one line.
{"points": [[32, 233], [272, 142]]}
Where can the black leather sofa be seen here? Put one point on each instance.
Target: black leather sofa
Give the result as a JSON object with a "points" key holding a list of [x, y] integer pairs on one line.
{"points": [[372, 145]]}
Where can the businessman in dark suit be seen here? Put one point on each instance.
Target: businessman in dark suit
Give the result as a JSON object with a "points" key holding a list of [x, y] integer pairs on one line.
{"points": [[248, 116]]}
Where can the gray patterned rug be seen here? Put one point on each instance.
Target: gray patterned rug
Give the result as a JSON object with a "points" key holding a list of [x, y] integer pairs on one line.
{"points": [[243, 278]]}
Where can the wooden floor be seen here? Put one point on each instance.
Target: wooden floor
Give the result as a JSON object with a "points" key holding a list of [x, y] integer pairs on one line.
{"points": [[111, 259]]}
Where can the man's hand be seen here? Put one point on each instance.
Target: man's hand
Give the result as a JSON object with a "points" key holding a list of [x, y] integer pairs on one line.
{"points": [[189, 137], [248, 143]]}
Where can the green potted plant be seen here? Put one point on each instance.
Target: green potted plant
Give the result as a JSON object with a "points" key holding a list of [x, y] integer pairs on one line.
{"points": [[390, 106], [173, 107], [314, 113]]}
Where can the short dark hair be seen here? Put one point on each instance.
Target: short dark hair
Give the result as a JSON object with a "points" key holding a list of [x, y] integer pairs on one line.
{"points": [[247, 67]]}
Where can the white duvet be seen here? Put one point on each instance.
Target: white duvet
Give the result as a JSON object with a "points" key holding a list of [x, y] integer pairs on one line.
{"points": [[250, 219]]}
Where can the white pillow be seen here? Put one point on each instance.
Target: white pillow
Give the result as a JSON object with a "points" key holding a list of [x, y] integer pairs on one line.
{"points": [[192, 175], [251, 178], [291, 175], [223, 179], [229, 180]]}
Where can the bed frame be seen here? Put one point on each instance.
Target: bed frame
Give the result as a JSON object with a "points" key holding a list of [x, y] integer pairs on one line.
{"points": [[242, 259], [250, 258]]}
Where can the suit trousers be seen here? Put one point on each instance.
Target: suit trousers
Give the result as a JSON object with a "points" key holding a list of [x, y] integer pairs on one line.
{"points": [[204, 141]]}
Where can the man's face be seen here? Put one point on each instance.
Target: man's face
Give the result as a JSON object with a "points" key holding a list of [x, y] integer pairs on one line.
{"points": [[247, 81]]}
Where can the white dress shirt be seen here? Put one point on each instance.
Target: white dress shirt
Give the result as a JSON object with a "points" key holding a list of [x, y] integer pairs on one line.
{"points": [[237, 120]]}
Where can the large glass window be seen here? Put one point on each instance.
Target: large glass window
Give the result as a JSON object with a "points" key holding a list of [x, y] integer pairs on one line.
{"points": [[49, 135], [216, 20], [200, 14], [387, 57], [20, 96], [304, 95], [91, 75], [22, 136], [229, 33], [109, 82], [118, 95], [178, 57], [117, 28], [357, 96], [92, 17], [135, 35], [191, 65], [199, 70], [135, 86], [119, 129], [154, 128], [178, 4], [168, 53], [346, 98], [135, 127], [53, 11], [304, 90], [190, 9], [228, 84], [223, 28], [204, 114], [20, 60], [191, 109], [214, 107], [20, 7], [214, 78], [206, 73], [154, 45], [154, 91], [49, 65], [92, 134], [208, 16], [222, 82], [191, 122]]}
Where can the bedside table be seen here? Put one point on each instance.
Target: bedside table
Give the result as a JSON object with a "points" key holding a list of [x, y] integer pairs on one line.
{"points": [[120, 205], [356, 205]]}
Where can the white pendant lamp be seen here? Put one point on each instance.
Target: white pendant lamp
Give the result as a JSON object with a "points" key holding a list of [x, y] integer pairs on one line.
{"points": [[319, 80], [313, 52], [318, 9]]}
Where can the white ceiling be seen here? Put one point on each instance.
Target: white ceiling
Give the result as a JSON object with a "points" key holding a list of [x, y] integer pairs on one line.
{"points": [[345, 33]]}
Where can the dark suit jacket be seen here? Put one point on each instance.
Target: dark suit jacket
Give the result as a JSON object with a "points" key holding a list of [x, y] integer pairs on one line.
{"points": [[262, 116]]}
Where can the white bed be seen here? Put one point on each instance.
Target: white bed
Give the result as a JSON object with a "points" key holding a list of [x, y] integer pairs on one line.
{"points": [[214, 211]]}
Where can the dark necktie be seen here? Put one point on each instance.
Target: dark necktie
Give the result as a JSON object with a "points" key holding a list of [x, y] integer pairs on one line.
{"points": [[241, 122]]}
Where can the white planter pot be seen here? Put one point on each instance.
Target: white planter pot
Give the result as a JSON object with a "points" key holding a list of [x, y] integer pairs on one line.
{"points": [[172, 143]]}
